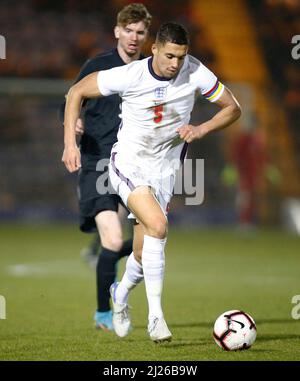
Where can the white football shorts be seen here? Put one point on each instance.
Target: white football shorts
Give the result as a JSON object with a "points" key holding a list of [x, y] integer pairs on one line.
{"points": [[124, 179]]}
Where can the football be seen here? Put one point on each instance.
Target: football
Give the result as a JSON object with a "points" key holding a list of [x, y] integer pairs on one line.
{"points": [[234, 330]]}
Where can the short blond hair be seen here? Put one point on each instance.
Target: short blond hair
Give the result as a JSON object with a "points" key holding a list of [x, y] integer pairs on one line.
{"points": [[134, 13]]}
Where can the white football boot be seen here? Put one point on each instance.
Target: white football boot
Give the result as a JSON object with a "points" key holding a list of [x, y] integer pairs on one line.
{"points": [[121, 317], [158, 330]]}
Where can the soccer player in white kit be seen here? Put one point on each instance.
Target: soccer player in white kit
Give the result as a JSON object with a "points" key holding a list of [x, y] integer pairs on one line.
{"points": [[158, 96]]}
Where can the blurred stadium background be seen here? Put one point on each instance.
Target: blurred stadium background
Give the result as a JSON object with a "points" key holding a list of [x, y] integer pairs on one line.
{"points": [[249, 47], [248, 44]]}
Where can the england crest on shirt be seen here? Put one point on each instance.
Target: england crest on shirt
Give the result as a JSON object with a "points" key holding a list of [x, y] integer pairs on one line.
{"points": [[160, 93]]}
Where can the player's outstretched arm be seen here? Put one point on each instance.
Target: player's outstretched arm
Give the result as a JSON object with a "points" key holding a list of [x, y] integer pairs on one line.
{"points": [[86, 88], [229, 113]]}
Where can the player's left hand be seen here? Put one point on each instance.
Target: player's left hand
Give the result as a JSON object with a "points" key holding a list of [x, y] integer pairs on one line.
{"points": [[190, 133]]}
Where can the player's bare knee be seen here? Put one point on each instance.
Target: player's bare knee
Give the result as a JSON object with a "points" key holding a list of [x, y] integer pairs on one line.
{"points": [[115, 243], [111, 242], [158, 228]]}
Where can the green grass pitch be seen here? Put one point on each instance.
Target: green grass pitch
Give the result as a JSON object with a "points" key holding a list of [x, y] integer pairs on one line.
{"points": [[50, 296]]}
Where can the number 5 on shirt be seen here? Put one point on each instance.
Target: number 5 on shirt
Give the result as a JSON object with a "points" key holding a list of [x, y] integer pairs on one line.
{"points": [[158, 110]]}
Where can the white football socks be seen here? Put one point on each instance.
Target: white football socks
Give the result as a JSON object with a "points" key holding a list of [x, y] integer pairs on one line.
{"points": [[132, 276], [153, 261]]}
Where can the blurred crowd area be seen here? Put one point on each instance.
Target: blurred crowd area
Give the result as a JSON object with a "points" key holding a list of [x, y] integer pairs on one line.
{"points": [[54, 38], [277, 22], [35, 186]]}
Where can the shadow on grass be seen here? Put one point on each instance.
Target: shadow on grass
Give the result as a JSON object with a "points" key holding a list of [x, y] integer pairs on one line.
{"points": [[261, 350], [263, 338], [184, 344], [208, 343], [276, 321], [186, 325], [211, 323]]}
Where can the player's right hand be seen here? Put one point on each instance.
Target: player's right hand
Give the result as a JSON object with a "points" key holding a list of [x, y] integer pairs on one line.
{"points": [[79, 127], [72, 158]]}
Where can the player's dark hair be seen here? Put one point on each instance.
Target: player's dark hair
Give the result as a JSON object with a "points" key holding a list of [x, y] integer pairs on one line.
{"points": [[134, 13], [172, 32]]}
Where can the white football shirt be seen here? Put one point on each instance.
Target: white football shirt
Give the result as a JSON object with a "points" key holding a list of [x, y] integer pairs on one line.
{"points": [[153, 108]]}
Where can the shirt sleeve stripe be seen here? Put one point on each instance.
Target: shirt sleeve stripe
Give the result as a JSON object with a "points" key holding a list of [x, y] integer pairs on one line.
{"points": [[215, 92], [210, 92]]}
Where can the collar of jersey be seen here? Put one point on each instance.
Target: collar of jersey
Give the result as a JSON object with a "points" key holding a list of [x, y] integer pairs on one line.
{"points": [[152, 71], [115, 51]]}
